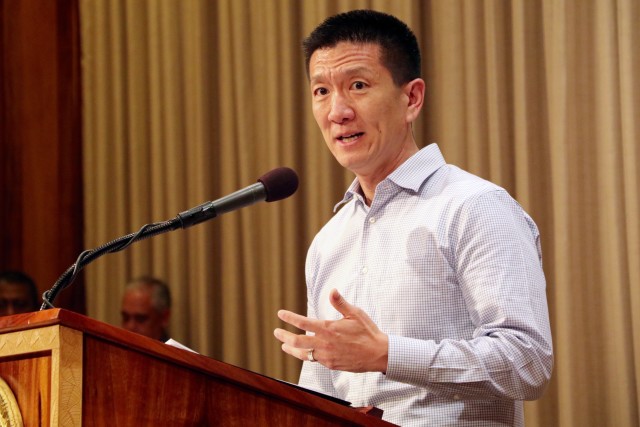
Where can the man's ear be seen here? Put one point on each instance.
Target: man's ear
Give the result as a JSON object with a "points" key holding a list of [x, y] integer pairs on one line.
{"points": [[414, 90]]}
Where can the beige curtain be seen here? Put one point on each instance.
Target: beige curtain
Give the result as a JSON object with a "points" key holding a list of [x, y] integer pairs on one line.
{"points": [[186, 101]]}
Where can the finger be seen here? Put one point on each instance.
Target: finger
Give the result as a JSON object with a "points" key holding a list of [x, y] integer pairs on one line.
{"points": [[341, 304], [294, 340], [296, 345], [302, 354], [299, 321]]}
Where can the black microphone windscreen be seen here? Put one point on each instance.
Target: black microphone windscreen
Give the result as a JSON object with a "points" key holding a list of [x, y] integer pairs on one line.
{"points": [[279, 183]]}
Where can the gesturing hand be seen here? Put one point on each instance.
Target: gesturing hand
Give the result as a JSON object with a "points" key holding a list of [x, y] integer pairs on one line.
{"points": [[353, 343]]}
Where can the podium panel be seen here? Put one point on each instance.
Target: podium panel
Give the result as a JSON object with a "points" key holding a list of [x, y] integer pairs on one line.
{"points": [[65, 369]]}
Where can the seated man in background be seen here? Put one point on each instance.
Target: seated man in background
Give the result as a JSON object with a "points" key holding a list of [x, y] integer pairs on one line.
{"points": [[18, 293], [146, 307]]}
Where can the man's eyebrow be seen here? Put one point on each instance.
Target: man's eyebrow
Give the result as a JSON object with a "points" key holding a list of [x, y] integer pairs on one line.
{"points": [[348, 72], [357, 70], [315, 78]]}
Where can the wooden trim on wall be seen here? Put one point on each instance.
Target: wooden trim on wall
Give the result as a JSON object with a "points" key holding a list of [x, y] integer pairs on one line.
{"points": [[41, 207]]}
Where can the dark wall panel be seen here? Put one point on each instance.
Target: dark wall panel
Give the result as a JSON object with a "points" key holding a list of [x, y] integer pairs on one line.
{"points": [[40, 142]]}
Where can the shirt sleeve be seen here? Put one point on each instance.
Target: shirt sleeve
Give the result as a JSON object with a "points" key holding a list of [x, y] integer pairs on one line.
{"points": [[499, 270]]}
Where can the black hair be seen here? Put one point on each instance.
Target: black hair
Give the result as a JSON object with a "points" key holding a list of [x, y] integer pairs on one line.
{"points": [[20, 278], [400, 52]]}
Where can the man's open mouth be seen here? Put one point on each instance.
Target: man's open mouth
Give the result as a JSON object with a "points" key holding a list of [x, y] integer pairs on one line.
{"points": [[350, 138]]}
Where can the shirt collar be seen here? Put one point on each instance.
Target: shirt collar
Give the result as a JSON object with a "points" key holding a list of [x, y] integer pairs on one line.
{"points": [[410, 175]]}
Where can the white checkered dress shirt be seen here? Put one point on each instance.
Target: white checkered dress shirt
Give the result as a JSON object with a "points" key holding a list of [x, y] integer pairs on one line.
{"points": [[449, 266]]}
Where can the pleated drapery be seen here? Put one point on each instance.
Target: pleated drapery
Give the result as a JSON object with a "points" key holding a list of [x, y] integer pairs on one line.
{"points": [[187, 101]]}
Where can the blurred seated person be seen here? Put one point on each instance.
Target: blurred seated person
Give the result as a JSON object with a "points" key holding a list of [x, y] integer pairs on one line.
{"points": [[146, 307], [18, 293]]}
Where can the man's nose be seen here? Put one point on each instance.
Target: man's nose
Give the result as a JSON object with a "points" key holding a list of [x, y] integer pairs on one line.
{"points": [[341, 109]]}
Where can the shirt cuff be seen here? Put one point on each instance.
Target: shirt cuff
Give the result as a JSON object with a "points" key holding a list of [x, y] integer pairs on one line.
{"points": [[409, 359]]}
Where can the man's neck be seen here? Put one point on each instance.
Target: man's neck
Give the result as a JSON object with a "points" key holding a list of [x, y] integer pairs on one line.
{"points": [[369, 182]]}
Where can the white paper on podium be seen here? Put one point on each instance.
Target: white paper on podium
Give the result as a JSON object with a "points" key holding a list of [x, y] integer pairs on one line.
{"points": [[175, 343]]}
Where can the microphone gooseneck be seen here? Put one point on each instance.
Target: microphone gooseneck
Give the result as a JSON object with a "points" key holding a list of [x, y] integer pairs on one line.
{"points": [[275, 185]]}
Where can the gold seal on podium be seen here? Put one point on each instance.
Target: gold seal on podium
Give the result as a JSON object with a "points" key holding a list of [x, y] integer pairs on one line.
{"points": [[10, 415]]}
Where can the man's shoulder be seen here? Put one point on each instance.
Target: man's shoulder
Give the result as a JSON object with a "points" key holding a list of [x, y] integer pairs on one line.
{"points": [[453, 182]]}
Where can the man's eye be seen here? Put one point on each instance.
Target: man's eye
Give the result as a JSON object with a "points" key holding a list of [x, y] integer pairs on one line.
{"points": [[321, 91], [358, 85], [141, 319]]}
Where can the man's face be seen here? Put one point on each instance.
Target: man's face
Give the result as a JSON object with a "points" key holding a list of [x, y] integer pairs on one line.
{"points": [[364, 117], [139, 315], [14, 299]]}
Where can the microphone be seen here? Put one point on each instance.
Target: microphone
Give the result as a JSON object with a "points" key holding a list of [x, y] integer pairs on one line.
{"points": [[274, 185]]}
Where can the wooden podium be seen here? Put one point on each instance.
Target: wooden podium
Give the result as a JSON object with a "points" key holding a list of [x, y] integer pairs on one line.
{"points": [[66, 369]]}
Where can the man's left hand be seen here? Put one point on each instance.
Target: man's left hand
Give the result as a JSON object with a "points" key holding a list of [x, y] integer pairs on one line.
{"points": [[353, 343]]}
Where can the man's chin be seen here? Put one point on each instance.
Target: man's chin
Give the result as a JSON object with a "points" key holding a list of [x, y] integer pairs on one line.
{"points": [[351, 161], [351, 167]]}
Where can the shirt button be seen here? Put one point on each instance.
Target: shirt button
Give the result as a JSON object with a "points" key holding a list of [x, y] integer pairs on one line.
{"points": [[364, 270], [456, 397], [372, 220]]}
